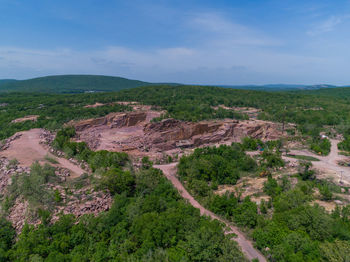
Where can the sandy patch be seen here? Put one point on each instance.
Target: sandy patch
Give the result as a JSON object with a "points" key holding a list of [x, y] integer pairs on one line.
{"points": [[97, 104], [26, 118]]}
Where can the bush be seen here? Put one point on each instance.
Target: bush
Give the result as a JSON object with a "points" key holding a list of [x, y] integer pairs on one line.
{"points": [[325, 192], [306, 173], [249, 143], [199, 187], [7, 238], [118, 181], [321, 146], [271, 159], [33, 187], [146, 163], [271, 187], [105, 159], [345, 144]]}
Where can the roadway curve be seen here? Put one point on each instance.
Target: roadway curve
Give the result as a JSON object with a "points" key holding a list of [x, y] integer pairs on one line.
{"points": [[246, 245]]}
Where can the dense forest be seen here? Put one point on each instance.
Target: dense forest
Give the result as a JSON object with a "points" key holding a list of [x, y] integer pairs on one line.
{"points": [[148, 221]]}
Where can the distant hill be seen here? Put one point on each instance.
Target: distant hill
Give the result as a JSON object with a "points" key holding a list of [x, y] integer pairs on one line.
{"points": [[280, 87], [5, 81], [339, 92], [99, 83], [70, 84]]}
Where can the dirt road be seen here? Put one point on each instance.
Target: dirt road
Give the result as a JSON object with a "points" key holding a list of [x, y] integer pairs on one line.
{"points": [[247, 247], [27, 149], [328, 163]]}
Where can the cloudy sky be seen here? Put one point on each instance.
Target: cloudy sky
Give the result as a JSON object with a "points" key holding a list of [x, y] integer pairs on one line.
{"points": [[188, 41]]}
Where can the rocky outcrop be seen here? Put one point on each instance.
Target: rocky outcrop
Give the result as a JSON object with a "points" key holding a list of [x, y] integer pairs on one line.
{"points": [[7, 170], [136, 134], [113, 120], [88, 202], [170, 133]]}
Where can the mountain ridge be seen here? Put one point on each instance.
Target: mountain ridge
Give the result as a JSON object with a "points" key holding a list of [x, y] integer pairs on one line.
{"points": [[102, 83], [71, 84]]}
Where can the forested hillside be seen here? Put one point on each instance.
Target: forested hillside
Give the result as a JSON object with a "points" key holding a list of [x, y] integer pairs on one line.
{"points": [[70, 84]]}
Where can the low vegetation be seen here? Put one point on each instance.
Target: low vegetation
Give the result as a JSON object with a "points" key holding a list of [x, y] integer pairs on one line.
{"points": [[302, 157], [321, 146], [33, 188]]}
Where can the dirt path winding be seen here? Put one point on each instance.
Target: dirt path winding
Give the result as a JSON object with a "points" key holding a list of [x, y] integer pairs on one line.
{"points": [[246, 245]]}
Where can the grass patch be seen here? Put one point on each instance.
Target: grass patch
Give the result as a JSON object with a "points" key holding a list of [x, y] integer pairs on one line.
{"points": [[302, 157], [50, 159], [344, 153]]}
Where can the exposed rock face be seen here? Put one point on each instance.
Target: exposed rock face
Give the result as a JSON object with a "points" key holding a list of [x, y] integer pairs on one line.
{"points": [[134, 133], [170, 133], [113, 120]]}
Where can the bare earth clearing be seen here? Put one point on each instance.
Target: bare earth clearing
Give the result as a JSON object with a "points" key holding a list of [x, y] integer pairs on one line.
{"points": [[328, 165], [246, 245], [27, 149]]}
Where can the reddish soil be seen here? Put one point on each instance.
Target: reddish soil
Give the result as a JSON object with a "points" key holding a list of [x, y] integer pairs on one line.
{"points": [[27, 148], [246, 245]]}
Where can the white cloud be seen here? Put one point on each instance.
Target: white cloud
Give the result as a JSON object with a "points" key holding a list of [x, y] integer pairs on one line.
{"points": [[221, 52], [223, 30], [328, 25]]}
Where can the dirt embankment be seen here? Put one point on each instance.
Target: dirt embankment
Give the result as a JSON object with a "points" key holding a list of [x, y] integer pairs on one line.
{"points": [[135, 133]]}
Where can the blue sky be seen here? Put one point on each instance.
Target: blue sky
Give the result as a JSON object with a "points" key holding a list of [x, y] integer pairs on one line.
{"points": [[187, 41]]}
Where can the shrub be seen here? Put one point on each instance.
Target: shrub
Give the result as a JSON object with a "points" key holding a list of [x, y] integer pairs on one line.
{"points": [[325, 192], [118, 181], [321, 146], [305, 173], [271, 187]]}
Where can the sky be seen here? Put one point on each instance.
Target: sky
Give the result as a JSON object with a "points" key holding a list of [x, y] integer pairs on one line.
{"points": [[219, 42]]}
